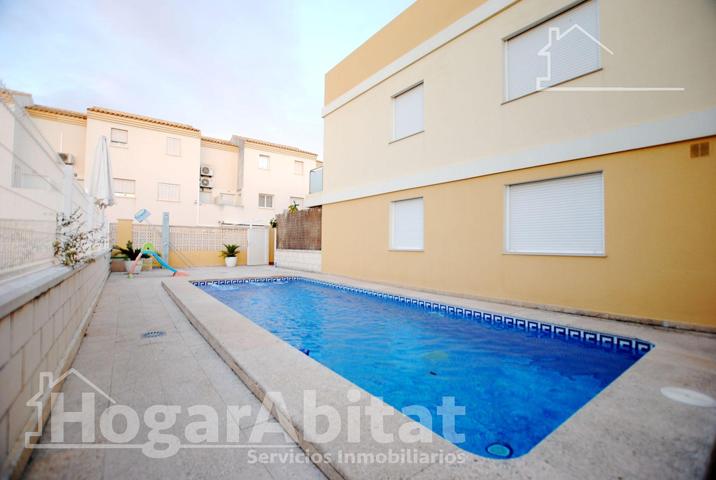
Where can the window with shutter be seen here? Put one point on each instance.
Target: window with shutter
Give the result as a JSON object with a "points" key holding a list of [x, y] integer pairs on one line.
{"points": [[123, 187], [562, 216], [265, 200], [562, 48], [408, 112], [173, 146], [406, 224], [117, 135], [168, 192]]}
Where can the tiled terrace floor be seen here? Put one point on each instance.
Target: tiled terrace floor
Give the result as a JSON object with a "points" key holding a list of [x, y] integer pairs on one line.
{"points": [[661, 439], [178, 368]]}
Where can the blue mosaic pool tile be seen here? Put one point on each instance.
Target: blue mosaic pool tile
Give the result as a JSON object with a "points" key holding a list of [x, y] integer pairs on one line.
{"points": [[543, 329]]}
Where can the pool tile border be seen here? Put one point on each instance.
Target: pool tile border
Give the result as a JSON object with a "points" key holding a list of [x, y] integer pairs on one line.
{"points": [[607, 341]]}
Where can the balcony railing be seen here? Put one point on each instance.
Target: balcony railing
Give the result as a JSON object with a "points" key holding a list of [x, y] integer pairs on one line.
{"points": [[315, 180]]}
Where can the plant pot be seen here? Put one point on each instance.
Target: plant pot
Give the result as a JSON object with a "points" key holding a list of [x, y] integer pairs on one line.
{"points": [[128, 265], [230, 261], [147, 264]]}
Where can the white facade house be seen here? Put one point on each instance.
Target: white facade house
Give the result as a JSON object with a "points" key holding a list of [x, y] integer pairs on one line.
{"points": [[164, 166]]}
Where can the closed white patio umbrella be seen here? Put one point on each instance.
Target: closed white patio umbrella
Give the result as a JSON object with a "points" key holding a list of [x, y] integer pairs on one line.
{"points": [[100, 186]]}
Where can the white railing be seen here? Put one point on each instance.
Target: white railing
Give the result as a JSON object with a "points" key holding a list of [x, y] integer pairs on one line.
{"points": [[35, 185]]}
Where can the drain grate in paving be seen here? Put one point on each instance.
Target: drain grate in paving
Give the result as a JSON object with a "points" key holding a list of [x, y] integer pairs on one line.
{"points": [[154, 333]]}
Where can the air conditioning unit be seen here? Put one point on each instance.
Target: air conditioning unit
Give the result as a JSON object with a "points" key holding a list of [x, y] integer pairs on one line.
{"points": [[206, 171], [206, 182], [68, 158]]}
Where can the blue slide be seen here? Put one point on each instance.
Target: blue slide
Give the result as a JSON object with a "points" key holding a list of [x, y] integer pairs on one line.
{"points": [[159, 259]]}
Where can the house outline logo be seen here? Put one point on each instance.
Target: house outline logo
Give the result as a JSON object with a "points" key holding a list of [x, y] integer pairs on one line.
{"points": [[37, 401], [554, 35]]}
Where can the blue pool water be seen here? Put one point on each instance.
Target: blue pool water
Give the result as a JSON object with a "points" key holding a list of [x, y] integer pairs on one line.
{"points": [[516, 386]]}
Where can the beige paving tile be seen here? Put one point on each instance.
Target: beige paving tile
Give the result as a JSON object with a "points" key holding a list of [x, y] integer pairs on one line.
{"points": [[178, 368]]}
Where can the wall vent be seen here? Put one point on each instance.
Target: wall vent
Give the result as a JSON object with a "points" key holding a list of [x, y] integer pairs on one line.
{"points": [[701, 149]]}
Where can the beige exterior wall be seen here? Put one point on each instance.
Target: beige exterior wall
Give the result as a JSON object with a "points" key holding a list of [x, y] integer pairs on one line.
{"points": [[660, 234], [417, 23], [279, 180], [467, 122], [144, 159], [660, 230], [224, 160], [65, 135]]}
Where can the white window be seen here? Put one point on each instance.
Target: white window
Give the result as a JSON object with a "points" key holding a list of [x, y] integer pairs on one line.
{"points": [[298, 167], [406, 224], [408, 112], [173, 146], [265, 200], [558, 216], [123, 187], [168, 192], [564, 47], [117, 135], [297, 200], [264, 162]]}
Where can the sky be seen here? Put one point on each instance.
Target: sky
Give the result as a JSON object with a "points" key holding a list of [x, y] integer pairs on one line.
{"points": [[252, 68]]}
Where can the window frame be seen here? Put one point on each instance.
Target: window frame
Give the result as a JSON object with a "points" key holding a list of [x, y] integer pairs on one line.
{"points": [[391, 227], [506, 219], [266, 195], [112, 141], [178, 200], [178, 140], [393, 137], [535, 24], [303, 167], [123, 194], [268, 161]]}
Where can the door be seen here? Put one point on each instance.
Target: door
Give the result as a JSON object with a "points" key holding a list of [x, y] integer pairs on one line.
{"points": [[257, 252]]}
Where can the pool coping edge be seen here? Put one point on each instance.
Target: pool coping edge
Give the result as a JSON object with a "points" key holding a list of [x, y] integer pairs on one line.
{"points": [[288, 415]]}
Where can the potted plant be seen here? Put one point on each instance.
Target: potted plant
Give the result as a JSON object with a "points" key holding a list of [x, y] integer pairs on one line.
{"points": [[130, 254], [229, 253]]}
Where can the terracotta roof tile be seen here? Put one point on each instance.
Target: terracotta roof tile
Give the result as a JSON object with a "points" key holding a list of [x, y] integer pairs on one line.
{"points": [[277, 145], [58, 111], [143, 118], [217, 140]]}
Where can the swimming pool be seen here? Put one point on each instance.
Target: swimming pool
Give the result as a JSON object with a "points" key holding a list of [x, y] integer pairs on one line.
{"points": [[517, 379]]}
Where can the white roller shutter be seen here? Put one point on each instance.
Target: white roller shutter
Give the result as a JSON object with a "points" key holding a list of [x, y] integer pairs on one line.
{"points": [[560, 216], [406, 231], [573, 51], [408, 112]]}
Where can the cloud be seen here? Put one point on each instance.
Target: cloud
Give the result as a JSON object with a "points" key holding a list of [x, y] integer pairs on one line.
{"points": [[246, 67]]}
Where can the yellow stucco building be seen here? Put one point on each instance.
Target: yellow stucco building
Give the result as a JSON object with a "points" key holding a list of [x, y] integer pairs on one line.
{"points": [[540, 152]]}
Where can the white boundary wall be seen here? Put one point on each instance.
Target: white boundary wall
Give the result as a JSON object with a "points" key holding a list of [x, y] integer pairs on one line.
{"points": [[307, 260], [43, 317]]}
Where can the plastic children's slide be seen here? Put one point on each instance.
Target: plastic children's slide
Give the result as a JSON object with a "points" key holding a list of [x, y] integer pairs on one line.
{"points": [[148, 249]]}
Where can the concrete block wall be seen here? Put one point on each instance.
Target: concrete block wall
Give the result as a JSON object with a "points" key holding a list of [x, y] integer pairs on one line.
{"points": [[306, 260], [43, 335]]}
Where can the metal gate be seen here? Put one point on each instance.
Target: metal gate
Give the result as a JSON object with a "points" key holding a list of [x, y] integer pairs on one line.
{"points": [[257, 251]]}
